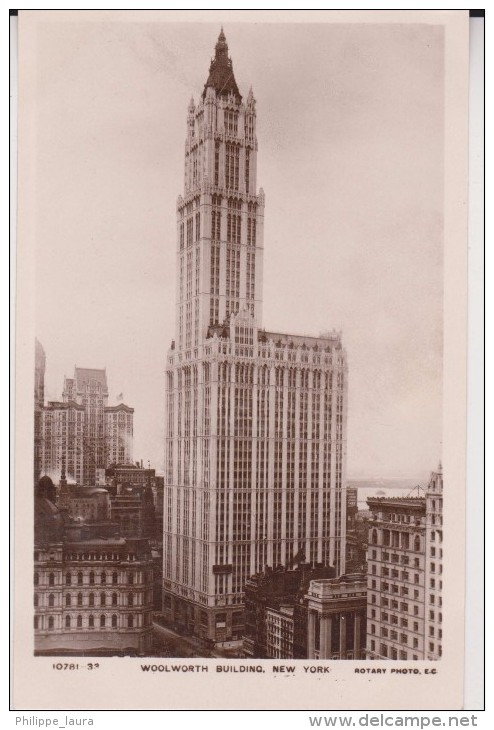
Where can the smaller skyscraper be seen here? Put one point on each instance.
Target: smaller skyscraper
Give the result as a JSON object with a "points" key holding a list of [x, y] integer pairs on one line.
{"points": [[82, 430], [404, 606], [39, 401]]}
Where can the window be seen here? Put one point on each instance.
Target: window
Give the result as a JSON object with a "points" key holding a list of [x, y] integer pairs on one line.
{"points": [[36, 579], [114, 621], [51, 622], [115, 578], [102, 621], [91, 599], [68, 599], [131, 579], [79, 599], [79, 579], [130, 621], [68, 579], [79, 622], [51, 579], [36, 622], [114, 599], [67, 622], [130, 599], [91, 622], [103, 578], [91, 578]]}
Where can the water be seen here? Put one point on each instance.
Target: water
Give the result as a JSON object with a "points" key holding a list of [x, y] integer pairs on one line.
{"points": [[384, 488]]}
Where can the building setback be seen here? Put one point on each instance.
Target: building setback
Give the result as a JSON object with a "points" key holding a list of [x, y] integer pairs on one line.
{"points": [[255, 444], [404, 609]]}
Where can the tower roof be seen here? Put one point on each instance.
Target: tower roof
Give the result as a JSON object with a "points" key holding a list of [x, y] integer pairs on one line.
{"points": [[83, 375], [221, 76]]}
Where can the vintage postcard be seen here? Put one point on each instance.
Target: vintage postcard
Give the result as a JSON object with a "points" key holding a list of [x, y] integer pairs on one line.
{"points": [[241, 308]]}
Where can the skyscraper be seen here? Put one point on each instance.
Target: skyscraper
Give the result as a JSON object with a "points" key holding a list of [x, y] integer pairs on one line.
{"points": [[255, 444], [82, 431], [39, 402]]}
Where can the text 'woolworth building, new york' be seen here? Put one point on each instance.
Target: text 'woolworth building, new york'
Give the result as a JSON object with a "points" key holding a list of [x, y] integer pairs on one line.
{"points": [[255, 440]]}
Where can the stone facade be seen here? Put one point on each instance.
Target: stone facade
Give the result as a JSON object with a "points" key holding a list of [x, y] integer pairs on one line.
{"points": [[336, 618], [404, 610], [93, 596], [255, 445]]}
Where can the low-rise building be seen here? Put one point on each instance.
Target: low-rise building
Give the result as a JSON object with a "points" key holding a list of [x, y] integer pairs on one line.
{"points": [[93, 590], [336, 617]]}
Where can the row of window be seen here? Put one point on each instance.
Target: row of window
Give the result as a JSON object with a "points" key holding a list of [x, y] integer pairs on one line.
{"points": [[104, 578]]}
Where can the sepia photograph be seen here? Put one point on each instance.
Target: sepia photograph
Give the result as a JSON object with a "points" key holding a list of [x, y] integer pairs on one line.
{"points": [[242, 244]]}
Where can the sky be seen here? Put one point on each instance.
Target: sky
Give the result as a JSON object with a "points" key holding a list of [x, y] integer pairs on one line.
{"points": [[350, 134]]}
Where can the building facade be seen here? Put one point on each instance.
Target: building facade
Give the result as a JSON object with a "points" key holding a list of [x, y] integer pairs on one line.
{"points": [[83, 432], [62, 439], [93, 596], [93, 590], [255, 443], [39, 402], [337, 618], [404, 609], [119, 429], [279, 632]]}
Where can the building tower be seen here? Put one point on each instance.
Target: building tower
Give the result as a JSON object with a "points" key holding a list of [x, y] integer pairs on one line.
{"points": [[255, 443]]}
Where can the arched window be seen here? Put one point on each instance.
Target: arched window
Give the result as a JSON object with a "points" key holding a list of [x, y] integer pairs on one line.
{"points": [[67, 622], [36, 579], [91, 599], [67, 599], [131, 579], [79, 622], [130, 599], [68, 579], [51, 600], [114, 578], [102, 621], [51, 579], [103, 578], [79, 578], [130, 621], [79, 599], [102, 599], [91, 578], [114, 621], [51, 622], [91, 621], [114, 599]]}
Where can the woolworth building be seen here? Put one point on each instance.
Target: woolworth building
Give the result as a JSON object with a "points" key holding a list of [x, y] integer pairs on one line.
{"points": [[255, 437]]}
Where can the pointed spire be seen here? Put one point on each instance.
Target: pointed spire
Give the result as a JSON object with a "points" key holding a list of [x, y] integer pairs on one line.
{"points": [[192, 106], [221, 76], [250, 99]]}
